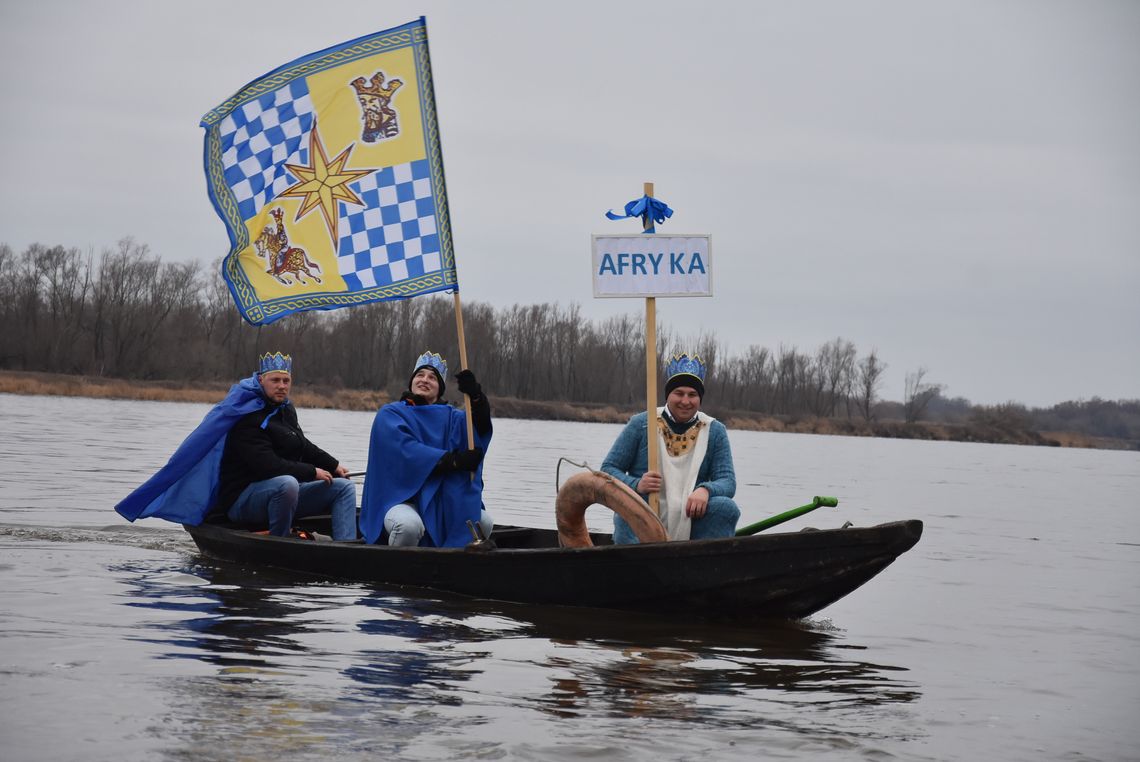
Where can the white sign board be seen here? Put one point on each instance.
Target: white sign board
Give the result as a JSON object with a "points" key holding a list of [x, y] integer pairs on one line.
{"points": [[652, 265]]}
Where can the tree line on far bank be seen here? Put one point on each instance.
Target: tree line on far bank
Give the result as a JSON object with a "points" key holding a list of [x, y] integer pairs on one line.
{"points": [[126, 314]]}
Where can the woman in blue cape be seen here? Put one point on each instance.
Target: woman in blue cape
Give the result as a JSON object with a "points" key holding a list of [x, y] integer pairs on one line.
{"points": [[424, 484]]}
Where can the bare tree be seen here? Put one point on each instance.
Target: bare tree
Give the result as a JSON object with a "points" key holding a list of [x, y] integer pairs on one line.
{"points": [[756, 379], [1011, 416], [68, 284], [918, 395], [130, 315], [868, 381], [11, 341], [790, 370], [567, 336], [830, 378]]}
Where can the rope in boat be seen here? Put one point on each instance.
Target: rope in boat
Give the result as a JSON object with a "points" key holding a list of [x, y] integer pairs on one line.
{"points": [[558, 469]]}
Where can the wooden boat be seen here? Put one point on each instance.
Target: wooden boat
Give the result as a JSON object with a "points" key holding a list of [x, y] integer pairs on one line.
{"points": [[765, 576]]}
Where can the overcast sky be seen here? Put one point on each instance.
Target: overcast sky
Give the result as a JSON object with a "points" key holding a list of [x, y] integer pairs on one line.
{"points": [[954, 184]]}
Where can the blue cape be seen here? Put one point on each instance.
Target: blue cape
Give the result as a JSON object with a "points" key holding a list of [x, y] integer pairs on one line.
{"points": [[407, 441], [184, 489]]}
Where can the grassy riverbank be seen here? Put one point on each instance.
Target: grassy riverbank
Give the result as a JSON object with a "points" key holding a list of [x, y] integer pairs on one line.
{"points": [[54, 384], [16, 382]]}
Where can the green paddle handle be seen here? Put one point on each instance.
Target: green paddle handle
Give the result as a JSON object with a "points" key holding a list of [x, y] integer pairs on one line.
{"points": [[780, 518]]}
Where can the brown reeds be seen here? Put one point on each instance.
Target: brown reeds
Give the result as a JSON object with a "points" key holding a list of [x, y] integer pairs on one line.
{"points": [[52, 384]]}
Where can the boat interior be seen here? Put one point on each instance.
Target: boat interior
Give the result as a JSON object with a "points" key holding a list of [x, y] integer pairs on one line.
{"points": [[504, 536]]}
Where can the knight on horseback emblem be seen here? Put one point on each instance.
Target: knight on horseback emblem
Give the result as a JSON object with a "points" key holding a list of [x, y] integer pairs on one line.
{"points": [[283, 259]]}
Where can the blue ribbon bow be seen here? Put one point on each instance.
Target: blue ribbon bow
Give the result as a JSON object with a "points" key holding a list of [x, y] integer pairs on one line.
{"points": [[646, 207]]}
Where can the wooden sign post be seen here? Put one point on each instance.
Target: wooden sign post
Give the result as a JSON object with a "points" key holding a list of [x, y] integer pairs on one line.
{"points": [[649, 265], [651, 373], [463, 366]]}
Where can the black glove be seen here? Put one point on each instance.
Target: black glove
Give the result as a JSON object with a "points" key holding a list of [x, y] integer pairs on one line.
{"points": [[414, 399], [467, 383], [481, 415], [459, 460], [480, 408]]}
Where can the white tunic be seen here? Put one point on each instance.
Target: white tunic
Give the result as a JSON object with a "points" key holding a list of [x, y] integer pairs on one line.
{"points": [[679, 478]]}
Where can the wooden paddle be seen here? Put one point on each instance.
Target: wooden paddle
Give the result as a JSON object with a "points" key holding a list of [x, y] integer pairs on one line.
{"points": [[780, 518]]}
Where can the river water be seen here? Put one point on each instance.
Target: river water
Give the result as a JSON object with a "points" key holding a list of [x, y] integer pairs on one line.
{"points": [[1010, 632]]}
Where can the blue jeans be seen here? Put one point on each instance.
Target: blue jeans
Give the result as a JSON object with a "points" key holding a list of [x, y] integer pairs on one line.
{"points": [[280, 500], [719, 521], [405, 527]]}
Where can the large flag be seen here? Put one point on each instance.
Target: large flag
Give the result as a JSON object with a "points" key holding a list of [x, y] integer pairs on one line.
{"points": [[328, 174]]}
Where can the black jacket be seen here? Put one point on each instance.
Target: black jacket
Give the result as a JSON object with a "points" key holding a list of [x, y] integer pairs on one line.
{"points": [[254, 453]]}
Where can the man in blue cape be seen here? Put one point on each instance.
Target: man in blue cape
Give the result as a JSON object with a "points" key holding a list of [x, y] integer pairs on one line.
{"points": [[424, 484], [250, 461]]}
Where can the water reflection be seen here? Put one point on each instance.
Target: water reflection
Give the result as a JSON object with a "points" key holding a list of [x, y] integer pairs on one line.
{"points": [[241, 622], [646, 667], [605, 663], [420, 663], [711, 688], [303, 666], [274, 690]]}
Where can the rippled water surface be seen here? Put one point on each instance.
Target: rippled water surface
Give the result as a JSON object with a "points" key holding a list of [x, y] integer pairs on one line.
{"points": [[1009, 632]]}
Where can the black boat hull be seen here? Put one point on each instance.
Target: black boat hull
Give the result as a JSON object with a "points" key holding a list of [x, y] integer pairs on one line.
{"points": [[765, 576]]}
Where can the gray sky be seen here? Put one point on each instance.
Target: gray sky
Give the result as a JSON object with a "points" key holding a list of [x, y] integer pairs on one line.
{"points": [[955, 184]]}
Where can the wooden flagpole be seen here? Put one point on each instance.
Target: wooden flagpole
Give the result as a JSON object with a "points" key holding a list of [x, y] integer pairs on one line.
{"points": [[462, 366], [651, 370]]}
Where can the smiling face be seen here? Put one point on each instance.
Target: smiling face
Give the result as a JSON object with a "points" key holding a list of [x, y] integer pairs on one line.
{"points": [[425, 384], [683, 403], [276, 386]]}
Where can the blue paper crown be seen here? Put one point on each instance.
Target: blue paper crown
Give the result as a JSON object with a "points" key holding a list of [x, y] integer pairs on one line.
{"points": [[683, 364], [432, 360], [275, 363]]}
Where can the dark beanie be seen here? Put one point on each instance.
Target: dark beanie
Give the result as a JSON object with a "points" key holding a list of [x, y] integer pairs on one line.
{"points": [[685, 379], [442, 386]]}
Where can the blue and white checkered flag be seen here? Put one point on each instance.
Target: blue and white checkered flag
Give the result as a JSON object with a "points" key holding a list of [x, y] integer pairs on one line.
{"points": [[329, 177]]}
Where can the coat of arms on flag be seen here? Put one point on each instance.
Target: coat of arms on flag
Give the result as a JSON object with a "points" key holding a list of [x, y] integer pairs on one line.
{"points": [[328, 175]]}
